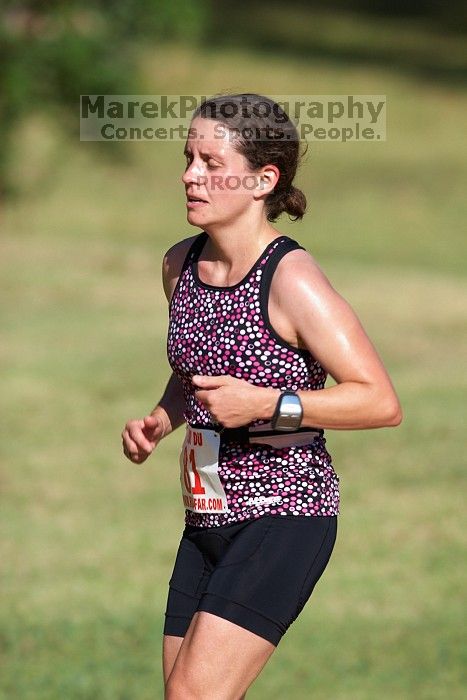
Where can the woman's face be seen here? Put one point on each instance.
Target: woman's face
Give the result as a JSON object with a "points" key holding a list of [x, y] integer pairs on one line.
{"points": [[217, 174]]}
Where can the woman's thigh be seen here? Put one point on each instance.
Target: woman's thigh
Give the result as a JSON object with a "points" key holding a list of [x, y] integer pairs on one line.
{"points": [[264, 585], [217, 659], [170, 648], [258, 575]]}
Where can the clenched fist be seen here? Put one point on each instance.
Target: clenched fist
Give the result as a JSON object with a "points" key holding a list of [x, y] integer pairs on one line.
{"points": [[140, 437]]}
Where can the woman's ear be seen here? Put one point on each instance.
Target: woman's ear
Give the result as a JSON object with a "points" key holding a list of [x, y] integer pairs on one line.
{"points": [[267, 180]]}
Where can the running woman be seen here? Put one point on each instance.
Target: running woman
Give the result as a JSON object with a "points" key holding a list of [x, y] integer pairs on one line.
{"points": [[255, 327]]}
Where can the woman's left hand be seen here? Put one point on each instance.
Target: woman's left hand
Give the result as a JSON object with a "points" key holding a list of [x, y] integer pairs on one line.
{"points": [[233, 402]]}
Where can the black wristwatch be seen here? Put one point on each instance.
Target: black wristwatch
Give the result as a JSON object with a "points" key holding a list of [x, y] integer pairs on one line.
{"points": [[289, 412]]}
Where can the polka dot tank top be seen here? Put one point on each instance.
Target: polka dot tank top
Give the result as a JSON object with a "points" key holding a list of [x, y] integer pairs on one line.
{"points": [[226, 330]]}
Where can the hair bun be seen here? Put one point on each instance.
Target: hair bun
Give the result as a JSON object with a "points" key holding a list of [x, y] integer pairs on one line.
{"points": [[294, 203], [290, 200]]}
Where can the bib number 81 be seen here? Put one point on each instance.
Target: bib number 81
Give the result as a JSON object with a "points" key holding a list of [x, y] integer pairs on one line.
{"points": [[189, 458], [202, 489]]}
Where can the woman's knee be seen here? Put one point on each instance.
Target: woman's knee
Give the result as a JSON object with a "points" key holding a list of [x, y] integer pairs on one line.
{"points": [[178, 688]]}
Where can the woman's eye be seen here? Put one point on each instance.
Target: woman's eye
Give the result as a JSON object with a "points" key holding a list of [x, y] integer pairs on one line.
{"points": [[210, 163]]}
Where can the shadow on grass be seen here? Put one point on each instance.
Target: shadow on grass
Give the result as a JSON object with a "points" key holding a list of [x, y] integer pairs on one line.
{"points": [[407, 45]]}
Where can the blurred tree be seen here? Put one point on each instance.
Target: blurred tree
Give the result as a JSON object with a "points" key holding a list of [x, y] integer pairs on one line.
{"points": [[51, 51]]}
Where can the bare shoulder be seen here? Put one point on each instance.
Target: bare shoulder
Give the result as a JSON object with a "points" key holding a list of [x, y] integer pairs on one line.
{"points": [[298, 271], [172, 264], [316, 313]]}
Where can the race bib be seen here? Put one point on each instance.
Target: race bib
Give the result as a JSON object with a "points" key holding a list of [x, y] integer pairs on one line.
{"points": [[202, 490]]}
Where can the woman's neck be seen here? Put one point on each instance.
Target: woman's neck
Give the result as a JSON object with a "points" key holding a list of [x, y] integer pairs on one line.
{"points": [[234, 247]]}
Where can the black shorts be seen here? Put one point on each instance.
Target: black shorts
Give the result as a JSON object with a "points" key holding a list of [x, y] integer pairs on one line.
{"points": [[257, 573]]}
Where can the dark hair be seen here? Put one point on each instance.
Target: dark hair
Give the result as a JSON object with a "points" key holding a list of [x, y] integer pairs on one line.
{"points": [[263, 133]]}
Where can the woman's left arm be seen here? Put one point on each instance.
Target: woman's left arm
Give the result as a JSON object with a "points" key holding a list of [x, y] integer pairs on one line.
{"points": [[364, 396]]}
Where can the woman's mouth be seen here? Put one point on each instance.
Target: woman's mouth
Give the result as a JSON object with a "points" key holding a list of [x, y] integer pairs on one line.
{"points": [[195, 202]]}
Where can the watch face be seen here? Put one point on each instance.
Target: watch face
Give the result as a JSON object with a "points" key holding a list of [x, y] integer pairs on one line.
{"points": [[290, 413]]}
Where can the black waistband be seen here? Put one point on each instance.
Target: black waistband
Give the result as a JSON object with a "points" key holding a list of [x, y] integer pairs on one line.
{"points": [[244, 433]]}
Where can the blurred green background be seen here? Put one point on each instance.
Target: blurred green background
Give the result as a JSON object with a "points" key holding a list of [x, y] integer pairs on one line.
{"points": [[87, 539]]}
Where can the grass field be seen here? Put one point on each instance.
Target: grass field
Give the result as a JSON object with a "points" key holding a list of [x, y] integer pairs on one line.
{"points": [[88, 540]]}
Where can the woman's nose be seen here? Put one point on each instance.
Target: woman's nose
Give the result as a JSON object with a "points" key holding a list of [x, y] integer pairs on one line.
{"points": [[191, 174]]}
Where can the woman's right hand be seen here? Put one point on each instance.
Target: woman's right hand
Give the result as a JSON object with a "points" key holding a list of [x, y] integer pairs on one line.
{"points": [[140, 437]]}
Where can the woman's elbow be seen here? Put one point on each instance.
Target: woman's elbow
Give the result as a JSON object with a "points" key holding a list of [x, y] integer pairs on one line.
{"points": [[394, 415]]}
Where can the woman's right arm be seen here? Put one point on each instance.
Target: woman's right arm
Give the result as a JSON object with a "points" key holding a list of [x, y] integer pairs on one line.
{"points": [[172, 405], [140, 436], [170, 408]]}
